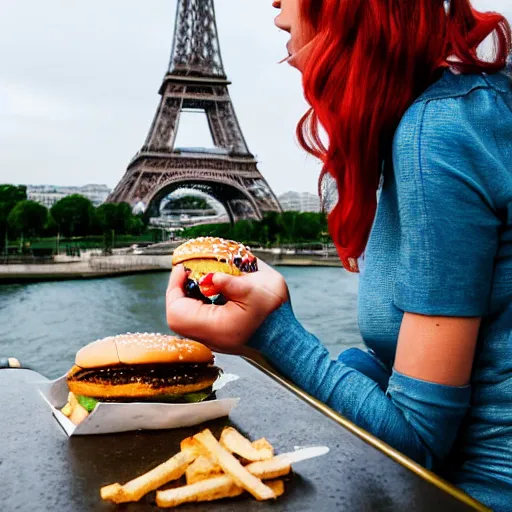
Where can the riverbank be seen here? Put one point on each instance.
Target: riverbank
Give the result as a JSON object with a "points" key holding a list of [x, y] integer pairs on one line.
{"points": [[278, 258], [283, 257], [87, 268], [93, 266]]}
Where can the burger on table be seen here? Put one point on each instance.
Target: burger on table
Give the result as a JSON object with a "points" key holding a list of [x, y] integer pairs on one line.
{"points": [[138, 368]]}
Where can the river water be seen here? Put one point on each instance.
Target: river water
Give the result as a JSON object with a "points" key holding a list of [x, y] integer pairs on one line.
{"points": [[44, 324]]}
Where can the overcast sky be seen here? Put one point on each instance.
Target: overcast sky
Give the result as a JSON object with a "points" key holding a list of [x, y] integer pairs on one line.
{"points": [[79, 83]]}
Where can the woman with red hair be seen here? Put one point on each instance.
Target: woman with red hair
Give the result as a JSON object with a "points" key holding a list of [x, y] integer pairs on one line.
{"points": [[419, 147]]}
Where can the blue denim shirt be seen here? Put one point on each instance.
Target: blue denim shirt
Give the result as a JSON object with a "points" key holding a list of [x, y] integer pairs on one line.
{"points": [[441, 244]]}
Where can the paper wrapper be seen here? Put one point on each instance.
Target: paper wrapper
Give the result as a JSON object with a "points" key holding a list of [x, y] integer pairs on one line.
{"points": [[108, 417]]}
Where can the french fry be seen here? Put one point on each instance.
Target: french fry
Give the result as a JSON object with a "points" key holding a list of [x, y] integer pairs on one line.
{"points": [[112, 492], [134, 490], [66, 410], [193, 446], [202, 468], [72, 402], [207, 490], [262, 445], [235, 442], [78, 414], [270, 469], [233, 468], [277, 486]]}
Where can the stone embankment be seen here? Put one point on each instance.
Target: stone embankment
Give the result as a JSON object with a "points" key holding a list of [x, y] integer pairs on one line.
{"points": [[276, 257], [290, 259], [94, 265], [85, 268]]}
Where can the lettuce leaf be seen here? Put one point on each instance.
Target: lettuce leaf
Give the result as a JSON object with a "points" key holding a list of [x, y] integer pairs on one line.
{"points": [[200, 396], [87, 403]]}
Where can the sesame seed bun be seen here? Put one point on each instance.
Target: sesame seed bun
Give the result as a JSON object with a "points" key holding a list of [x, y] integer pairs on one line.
{"points": [[210, 248], [146, 348]]}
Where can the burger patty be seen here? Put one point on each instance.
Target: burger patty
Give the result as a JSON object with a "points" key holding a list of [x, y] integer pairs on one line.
{"points": [[155, 376]]}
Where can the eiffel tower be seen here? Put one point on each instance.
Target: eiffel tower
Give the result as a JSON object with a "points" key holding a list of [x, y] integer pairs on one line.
{"points": [[196, 81]]}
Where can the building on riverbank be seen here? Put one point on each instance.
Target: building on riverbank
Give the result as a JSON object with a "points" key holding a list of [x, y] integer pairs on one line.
{"points": [[299, 202], [48, 195]]}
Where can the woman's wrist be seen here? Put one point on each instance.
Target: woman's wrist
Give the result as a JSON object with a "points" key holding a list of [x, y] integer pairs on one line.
{"points": [[273, 328]]}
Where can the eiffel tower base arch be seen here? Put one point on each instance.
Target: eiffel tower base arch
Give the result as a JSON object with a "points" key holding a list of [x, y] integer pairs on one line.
{"points": [[241, 190]]}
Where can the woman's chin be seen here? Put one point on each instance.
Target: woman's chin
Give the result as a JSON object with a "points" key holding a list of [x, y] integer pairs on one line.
{"points": [[297, 61], [299, 58], [293, 61]]}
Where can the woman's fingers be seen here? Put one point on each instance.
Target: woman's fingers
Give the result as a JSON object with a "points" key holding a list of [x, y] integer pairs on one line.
{"points": [[175, 289], [177, 278], [185, 316], [207, 323], [234, 288], [271, 280]]}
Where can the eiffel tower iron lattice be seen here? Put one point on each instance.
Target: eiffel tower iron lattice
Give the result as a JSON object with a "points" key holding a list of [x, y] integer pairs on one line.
{"points": [[196, 80]]}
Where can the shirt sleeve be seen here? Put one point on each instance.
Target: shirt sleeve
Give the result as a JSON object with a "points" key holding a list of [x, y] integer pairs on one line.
{"points": [[418, 418], [446, 163]]}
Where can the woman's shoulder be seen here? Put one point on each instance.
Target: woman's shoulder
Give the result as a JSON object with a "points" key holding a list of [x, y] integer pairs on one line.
{"points": [[459, 117], [456, 98], [453, 85]]}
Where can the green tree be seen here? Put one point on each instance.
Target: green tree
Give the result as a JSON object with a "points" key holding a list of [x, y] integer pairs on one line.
{"points": [[10, 195], [274, 229], [117, 217], [27, 218], [106, 216], [50, 228], [271, 221], [123, 217], [74, 215], [136, 225], [242, 231]]}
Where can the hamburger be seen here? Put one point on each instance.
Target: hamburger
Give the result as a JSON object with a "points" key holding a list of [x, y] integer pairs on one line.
{"points": [[140, 368], [207, 255]]}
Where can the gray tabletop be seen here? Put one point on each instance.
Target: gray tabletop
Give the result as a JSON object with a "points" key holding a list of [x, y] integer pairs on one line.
{"points": [[42, 469]]}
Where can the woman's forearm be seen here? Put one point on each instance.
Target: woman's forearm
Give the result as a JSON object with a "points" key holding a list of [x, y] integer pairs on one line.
{"points": [[419, 418]]}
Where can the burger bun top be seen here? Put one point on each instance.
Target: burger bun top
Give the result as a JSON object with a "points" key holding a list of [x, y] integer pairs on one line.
{"points": [[145, 348], [210, 247]]}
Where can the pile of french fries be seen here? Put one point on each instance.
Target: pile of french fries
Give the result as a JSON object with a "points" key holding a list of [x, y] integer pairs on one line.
{"points": [[213, 470]]}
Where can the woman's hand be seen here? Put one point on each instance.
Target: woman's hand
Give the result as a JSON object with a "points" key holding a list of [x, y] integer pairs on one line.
{"points": [[251, 298]]}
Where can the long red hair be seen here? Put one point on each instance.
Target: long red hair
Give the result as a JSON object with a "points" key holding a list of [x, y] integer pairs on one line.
{"points": [[369, 60]]}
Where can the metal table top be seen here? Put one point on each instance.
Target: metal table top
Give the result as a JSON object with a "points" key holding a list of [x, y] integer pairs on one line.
{"points": [[42, 469]]}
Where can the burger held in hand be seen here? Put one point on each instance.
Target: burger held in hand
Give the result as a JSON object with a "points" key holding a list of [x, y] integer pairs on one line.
{"points": [[139, 368], [204, 256]]}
